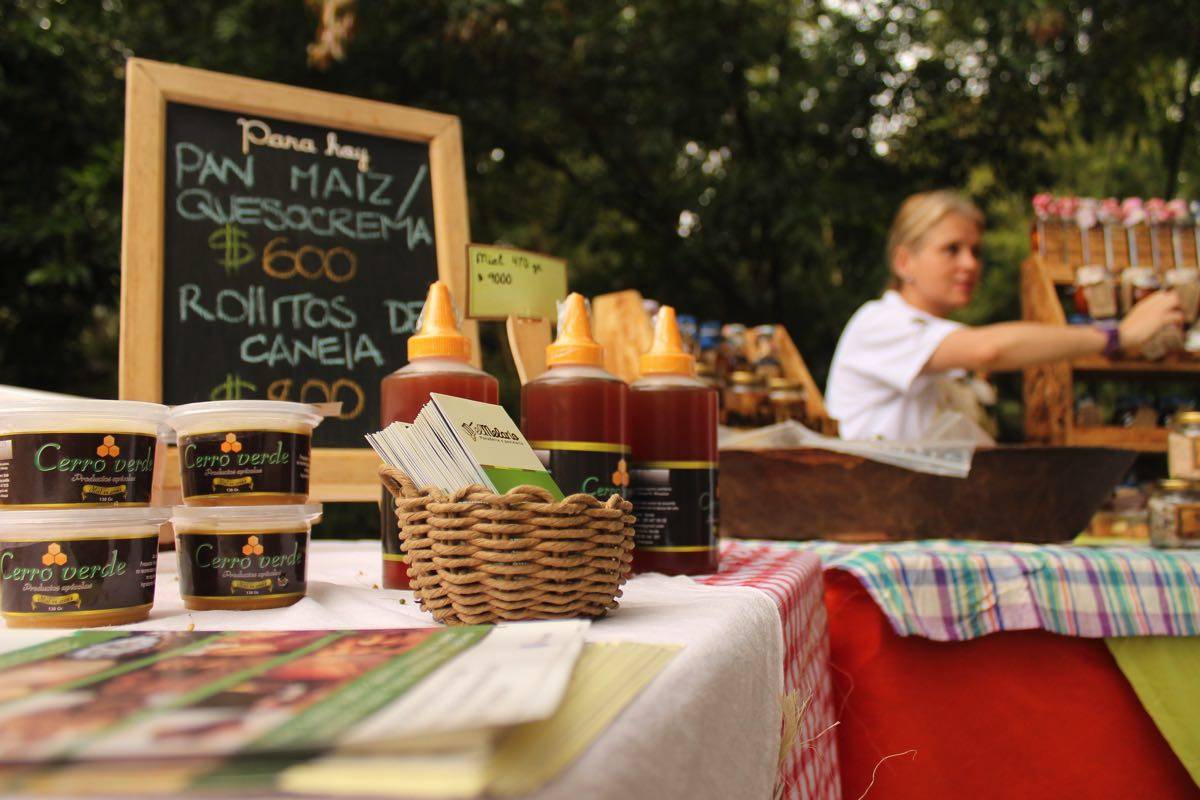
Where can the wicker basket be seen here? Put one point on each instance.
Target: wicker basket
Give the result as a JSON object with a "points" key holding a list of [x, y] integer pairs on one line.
{"points": [[478, 557]]}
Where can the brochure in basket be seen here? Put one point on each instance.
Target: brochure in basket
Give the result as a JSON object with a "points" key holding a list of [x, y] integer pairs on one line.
{"points": [[455, 443]]}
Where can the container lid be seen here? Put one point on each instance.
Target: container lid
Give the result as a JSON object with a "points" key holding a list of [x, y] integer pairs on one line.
{"points": [[308, 513], [1187, 418], [192, 412], [83, 518], [742, 377], [437, 330], [666, 354], [131, 409], [574, 343], [1091, 274], [1178, 485], [782, 383]]}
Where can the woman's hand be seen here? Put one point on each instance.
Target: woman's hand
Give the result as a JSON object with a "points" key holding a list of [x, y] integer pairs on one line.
{"points": [[1148, 317]]}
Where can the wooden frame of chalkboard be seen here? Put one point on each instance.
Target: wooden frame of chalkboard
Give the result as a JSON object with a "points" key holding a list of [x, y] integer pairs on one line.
{"points": [[150, 354]]}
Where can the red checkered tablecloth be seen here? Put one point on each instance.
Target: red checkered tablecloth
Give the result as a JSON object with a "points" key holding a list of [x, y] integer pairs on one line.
{"points": [[793, 580]]}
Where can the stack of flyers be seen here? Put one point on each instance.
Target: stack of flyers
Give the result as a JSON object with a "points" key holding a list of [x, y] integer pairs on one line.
{"points": [[455, 443]]}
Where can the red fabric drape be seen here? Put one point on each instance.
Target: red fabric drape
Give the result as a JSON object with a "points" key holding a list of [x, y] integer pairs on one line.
{"points": [[1024, 714]]}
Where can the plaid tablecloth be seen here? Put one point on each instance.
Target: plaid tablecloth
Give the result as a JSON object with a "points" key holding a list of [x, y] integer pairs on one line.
{"points": [[952, 590], [792, 578]]}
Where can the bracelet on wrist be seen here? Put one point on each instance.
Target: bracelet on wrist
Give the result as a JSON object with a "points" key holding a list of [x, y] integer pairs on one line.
{"points": [[1112, 340]]}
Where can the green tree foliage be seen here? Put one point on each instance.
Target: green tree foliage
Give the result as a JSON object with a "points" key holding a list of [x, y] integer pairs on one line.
{"points": [[738, 158]]}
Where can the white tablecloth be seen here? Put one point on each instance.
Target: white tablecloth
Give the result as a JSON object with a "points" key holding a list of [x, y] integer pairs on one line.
{"points": [[707, 727]]}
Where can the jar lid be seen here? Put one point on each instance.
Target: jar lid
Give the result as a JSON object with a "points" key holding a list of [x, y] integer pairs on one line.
{"points": [[1091, 274], [291, 412], [130, 409], [308, 513], [53, 521], [742, 377], [782, 383], [1187, 418], [1178, 485]]}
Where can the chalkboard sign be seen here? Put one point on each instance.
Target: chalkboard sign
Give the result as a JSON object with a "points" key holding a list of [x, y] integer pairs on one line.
{"points": [[294, 235]]}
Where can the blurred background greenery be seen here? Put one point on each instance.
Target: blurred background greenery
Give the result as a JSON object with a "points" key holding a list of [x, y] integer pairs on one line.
{"points": [[740, 159]]}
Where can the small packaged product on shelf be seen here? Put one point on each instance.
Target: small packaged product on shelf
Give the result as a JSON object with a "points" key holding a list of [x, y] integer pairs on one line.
{"points": [[745, 401], [1174, 510], [786, 398], [1183, 446], [1096, 292]]}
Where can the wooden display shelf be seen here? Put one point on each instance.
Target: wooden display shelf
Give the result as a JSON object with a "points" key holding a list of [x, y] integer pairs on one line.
{"points": [[1144, 440], [1172, 365], [1060, 273], [1049, 390]]}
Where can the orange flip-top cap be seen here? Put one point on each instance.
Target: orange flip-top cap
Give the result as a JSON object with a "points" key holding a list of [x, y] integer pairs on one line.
{"points": [[666, 355], [437, 333], [574, 343]]}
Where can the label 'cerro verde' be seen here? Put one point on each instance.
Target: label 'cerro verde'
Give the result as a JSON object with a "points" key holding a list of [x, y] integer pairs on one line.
{"points": [[67, 468], [600, 469], [74, 579], [231, 569], [245, 462]]}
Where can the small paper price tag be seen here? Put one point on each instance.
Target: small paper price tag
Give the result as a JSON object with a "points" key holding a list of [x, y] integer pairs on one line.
{"points": [[507, 282]]}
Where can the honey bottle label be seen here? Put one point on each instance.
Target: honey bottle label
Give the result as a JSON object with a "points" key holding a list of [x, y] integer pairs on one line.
{"points": [[676, 506], [246, 463], [600, 469], [75, 469]]}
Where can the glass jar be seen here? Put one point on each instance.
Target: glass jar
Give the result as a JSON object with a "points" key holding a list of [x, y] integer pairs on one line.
{"points": [[1186, 283], [745, 401], [1096, 292], [1175, 513], [1183, 446], [786, 398], [1136, 284]]}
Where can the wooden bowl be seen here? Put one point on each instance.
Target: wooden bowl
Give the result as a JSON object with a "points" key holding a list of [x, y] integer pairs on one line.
{"points": [[1014, 493]]}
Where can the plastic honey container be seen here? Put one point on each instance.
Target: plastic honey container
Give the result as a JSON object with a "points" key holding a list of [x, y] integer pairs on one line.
{"points": [[77, 453], [78, 567], [244, 452], [243, 557]]}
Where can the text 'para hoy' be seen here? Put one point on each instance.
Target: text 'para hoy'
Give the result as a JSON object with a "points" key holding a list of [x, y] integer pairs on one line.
{"points": [[257, 133]]}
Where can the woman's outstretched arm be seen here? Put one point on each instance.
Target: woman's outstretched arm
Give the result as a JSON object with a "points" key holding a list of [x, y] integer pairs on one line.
{"points": [[1015, 345]]}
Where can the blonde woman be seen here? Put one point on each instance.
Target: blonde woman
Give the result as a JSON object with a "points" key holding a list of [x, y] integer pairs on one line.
{"points": [[897, 352]]}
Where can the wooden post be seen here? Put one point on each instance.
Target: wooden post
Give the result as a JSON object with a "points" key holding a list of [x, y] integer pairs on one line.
{"points": [[528, 339]]}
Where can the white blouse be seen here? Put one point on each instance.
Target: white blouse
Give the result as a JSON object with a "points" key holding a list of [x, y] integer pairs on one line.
{"points": [[876, 388]]}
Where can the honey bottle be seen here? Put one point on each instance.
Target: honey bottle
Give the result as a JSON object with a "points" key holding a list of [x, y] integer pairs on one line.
{"points": [[438, 355], [673, 481], [574, 413]]}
